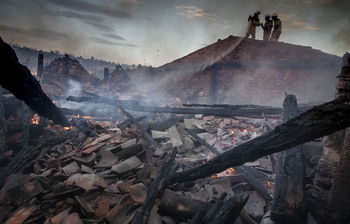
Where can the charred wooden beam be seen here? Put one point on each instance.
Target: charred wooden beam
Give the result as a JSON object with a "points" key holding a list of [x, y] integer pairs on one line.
{"points": [[127, 122], [204, 143], [231, 209], [314, 123], [155, 188], [258, 174], [146, 135], [98, 99], [136, 106], [211, 212], [226, 106], [254, 183], [301, 108], [18, 79], [210, 111], [289, 204]]}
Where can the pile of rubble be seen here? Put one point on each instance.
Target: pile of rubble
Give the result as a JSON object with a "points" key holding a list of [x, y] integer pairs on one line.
{"points": [[103, 174]]}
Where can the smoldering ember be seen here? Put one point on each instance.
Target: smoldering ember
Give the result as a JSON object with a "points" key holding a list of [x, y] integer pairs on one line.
{"points": [[242, 131]]}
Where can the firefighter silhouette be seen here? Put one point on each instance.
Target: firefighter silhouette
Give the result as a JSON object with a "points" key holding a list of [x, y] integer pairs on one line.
{"points": [[267, 27], [254, 22], [277, 28]]}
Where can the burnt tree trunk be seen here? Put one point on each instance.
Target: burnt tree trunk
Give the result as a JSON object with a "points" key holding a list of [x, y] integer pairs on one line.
{"points": [[314, 123], [18, 79], [289, 203]]}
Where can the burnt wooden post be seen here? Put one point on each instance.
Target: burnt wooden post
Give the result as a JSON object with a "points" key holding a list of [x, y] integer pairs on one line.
{"points": [[106, 75], [39, 71], [3, 127], [289, 202]]}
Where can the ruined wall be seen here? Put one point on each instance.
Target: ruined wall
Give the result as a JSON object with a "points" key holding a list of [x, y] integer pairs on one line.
{"points": [[62, 75], [330, 193]]}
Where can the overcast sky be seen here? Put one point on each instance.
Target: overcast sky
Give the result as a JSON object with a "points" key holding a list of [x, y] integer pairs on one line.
{"points": [[155, 32]]}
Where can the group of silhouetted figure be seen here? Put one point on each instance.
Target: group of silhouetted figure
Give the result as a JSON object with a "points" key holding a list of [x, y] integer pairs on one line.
{"points": [[271, 25]]}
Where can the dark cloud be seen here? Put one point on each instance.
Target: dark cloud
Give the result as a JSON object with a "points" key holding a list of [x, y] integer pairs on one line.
{"points": [[114, 36], [35, 33], [107, 42], [92, 8], [100, 26]]}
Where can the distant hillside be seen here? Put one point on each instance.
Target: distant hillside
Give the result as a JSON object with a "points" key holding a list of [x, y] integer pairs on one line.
{"points": [[29, 57]]}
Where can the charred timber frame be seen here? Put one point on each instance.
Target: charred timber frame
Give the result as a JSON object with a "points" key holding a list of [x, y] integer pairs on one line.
{"points": [[314, 123]]}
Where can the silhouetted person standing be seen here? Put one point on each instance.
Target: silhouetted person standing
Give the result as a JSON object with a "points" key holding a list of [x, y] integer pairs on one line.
{"points": [[267, 27], [254, 21], [277, 28]]}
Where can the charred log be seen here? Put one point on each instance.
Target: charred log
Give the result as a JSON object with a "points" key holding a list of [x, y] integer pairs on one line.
{"points": [[18, 79], [314, 123]]}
